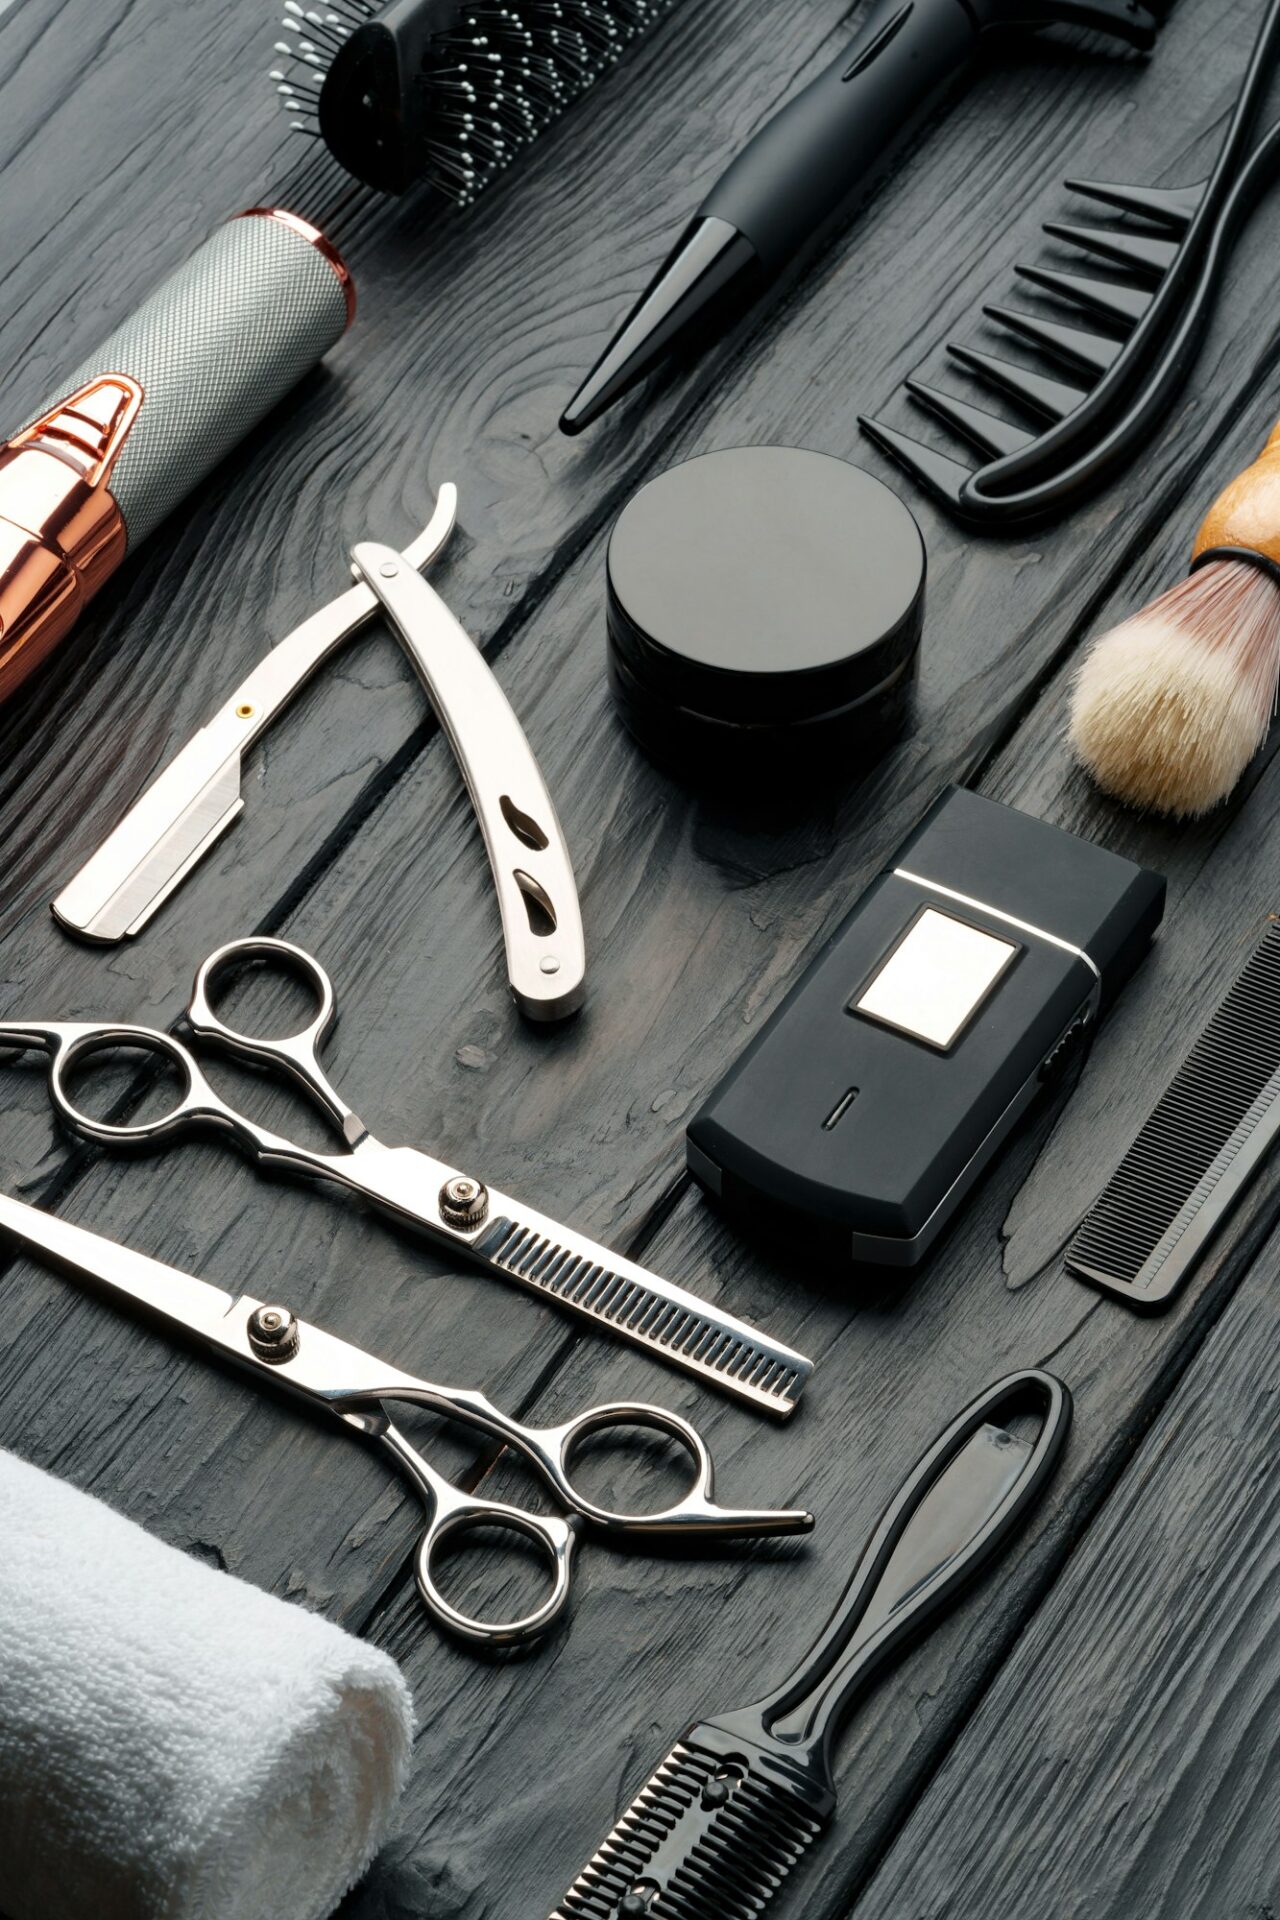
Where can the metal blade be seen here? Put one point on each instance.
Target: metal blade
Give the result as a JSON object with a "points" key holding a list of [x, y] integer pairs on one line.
{"points": [[683, 1851], [575, 1272], [197, 797], [640, 1306], [177, 1297], [160, 839]]}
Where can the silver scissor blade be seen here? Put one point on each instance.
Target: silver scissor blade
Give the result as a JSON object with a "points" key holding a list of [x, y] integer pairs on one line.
{"points": [[177, 1297], [640, 1306], [160, 839], [589, 1279]]}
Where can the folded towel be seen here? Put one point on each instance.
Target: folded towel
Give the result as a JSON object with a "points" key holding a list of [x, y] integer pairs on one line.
{"points": [[174, 1744]]}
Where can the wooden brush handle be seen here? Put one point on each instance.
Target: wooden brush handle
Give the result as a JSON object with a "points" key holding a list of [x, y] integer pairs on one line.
{"points": [[1247, 514]]}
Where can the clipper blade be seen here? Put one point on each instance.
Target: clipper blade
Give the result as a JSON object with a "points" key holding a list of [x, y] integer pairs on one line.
{"points": [[714, 1831]]}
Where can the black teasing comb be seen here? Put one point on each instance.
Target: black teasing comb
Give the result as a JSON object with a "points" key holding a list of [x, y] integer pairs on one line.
{"points": [[737, 1801], [1107, 386], [446, 92]]}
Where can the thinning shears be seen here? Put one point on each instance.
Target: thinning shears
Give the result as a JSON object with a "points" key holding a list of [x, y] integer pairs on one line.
{"points": [[355, 1386], [453, 1207]]}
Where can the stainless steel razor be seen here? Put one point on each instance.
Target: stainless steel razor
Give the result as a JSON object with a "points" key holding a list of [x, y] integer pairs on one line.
{"points": [[197, 797]]}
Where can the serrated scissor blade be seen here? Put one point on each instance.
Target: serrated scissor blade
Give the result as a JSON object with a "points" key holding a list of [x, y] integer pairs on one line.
{"points": [[676, 1326], [160, 839]]}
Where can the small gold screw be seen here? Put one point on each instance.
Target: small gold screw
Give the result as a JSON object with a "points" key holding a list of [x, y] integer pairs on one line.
{"points": [[273, 1333], [244, 712], [464, 1202]]}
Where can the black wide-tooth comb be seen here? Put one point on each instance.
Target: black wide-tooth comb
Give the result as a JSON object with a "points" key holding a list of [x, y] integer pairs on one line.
{"points": [[725, 1818], [1204, 1141], [446, 92], [1121, 380]]}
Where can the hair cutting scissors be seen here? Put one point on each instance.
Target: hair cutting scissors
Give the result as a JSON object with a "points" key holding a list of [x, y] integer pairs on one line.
{"points": [[355, 1386], [453, 1207]]}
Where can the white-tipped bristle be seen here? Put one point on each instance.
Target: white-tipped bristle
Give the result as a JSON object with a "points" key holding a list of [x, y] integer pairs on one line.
{"points": [[1169, 708], [495, 74]]}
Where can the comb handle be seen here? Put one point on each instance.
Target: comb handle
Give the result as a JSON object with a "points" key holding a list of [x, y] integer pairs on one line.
{"points": [[951, 1516]]}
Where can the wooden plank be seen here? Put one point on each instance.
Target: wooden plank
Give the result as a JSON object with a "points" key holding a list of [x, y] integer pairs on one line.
{"points": [[919, 1714], [965, 1338], [1107, 1817], [613, 786], [698, 921], [1123, 1762]]}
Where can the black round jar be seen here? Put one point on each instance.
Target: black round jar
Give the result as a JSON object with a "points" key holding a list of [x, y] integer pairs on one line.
{"points": [[764, 608]]}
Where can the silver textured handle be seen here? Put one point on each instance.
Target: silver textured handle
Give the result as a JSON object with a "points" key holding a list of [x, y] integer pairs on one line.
{"points": [[213, 349]]}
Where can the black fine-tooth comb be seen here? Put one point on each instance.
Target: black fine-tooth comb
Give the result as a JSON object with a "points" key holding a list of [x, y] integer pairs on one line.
{"points": [[738, 1799], [1119, 381], [445, 92], [1203, 1143]]}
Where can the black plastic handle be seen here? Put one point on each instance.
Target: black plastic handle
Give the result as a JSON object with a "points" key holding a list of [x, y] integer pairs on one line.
{"points": [[822, 153], [1102, 435], [819, 157], [951, 1516]]}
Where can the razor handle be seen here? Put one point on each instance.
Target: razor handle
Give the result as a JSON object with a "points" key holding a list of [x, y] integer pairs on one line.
{"points": [[151, 412]]}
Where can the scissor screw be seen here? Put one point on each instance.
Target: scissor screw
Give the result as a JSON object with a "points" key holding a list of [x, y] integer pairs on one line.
{"points": [[464, 1202], [244, 711], [273, 1333]]}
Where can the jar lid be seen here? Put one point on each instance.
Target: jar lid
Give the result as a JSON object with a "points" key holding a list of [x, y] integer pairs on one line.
{"points": [[765, 586]]}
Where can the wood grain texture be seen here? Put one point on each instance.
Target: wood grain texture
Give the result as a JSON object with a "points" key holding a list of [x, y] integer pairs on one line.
{"points": [[358, 841]]}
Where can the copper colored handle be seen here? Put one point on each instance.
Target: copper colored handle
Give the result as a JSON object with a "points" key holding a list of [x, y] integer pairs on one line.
{"points": [[61, 531], [165, 397]]}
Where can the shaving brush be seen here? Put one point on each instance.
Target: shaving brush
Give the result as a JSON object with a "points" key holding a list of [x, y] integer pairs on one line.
{"points": [[1169, 708]]}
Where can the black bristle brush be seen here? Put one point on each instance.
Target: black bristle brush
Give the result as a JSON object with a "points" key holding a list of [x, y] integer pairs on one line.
{"points": [[440, 92], [738, 1800]]}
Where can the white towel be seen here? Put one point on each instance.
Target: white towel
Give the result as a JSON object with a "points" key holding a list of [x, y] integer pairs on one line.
{"points": [[175, 1744]]}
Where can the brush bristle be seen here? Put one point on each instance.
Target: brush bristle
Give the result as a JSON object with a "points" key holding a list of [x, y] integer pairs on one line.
{"points": [[1169, 708], [495, 79]]}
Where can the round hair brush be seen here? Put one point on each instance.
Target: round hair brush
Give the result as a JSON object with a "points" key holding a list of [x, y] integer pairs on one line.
{"points": [[442, 91], [1169, 708]]}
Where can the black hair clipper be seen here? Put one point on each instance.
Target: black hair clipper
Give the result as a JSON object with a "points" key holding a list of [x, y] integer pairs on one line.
{"points": [[966, 977]]}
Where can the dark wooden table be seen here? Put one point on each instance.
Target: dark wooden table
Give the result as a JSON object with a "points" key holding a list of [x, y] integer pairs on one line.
{"points": [[1093, 1735]]}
